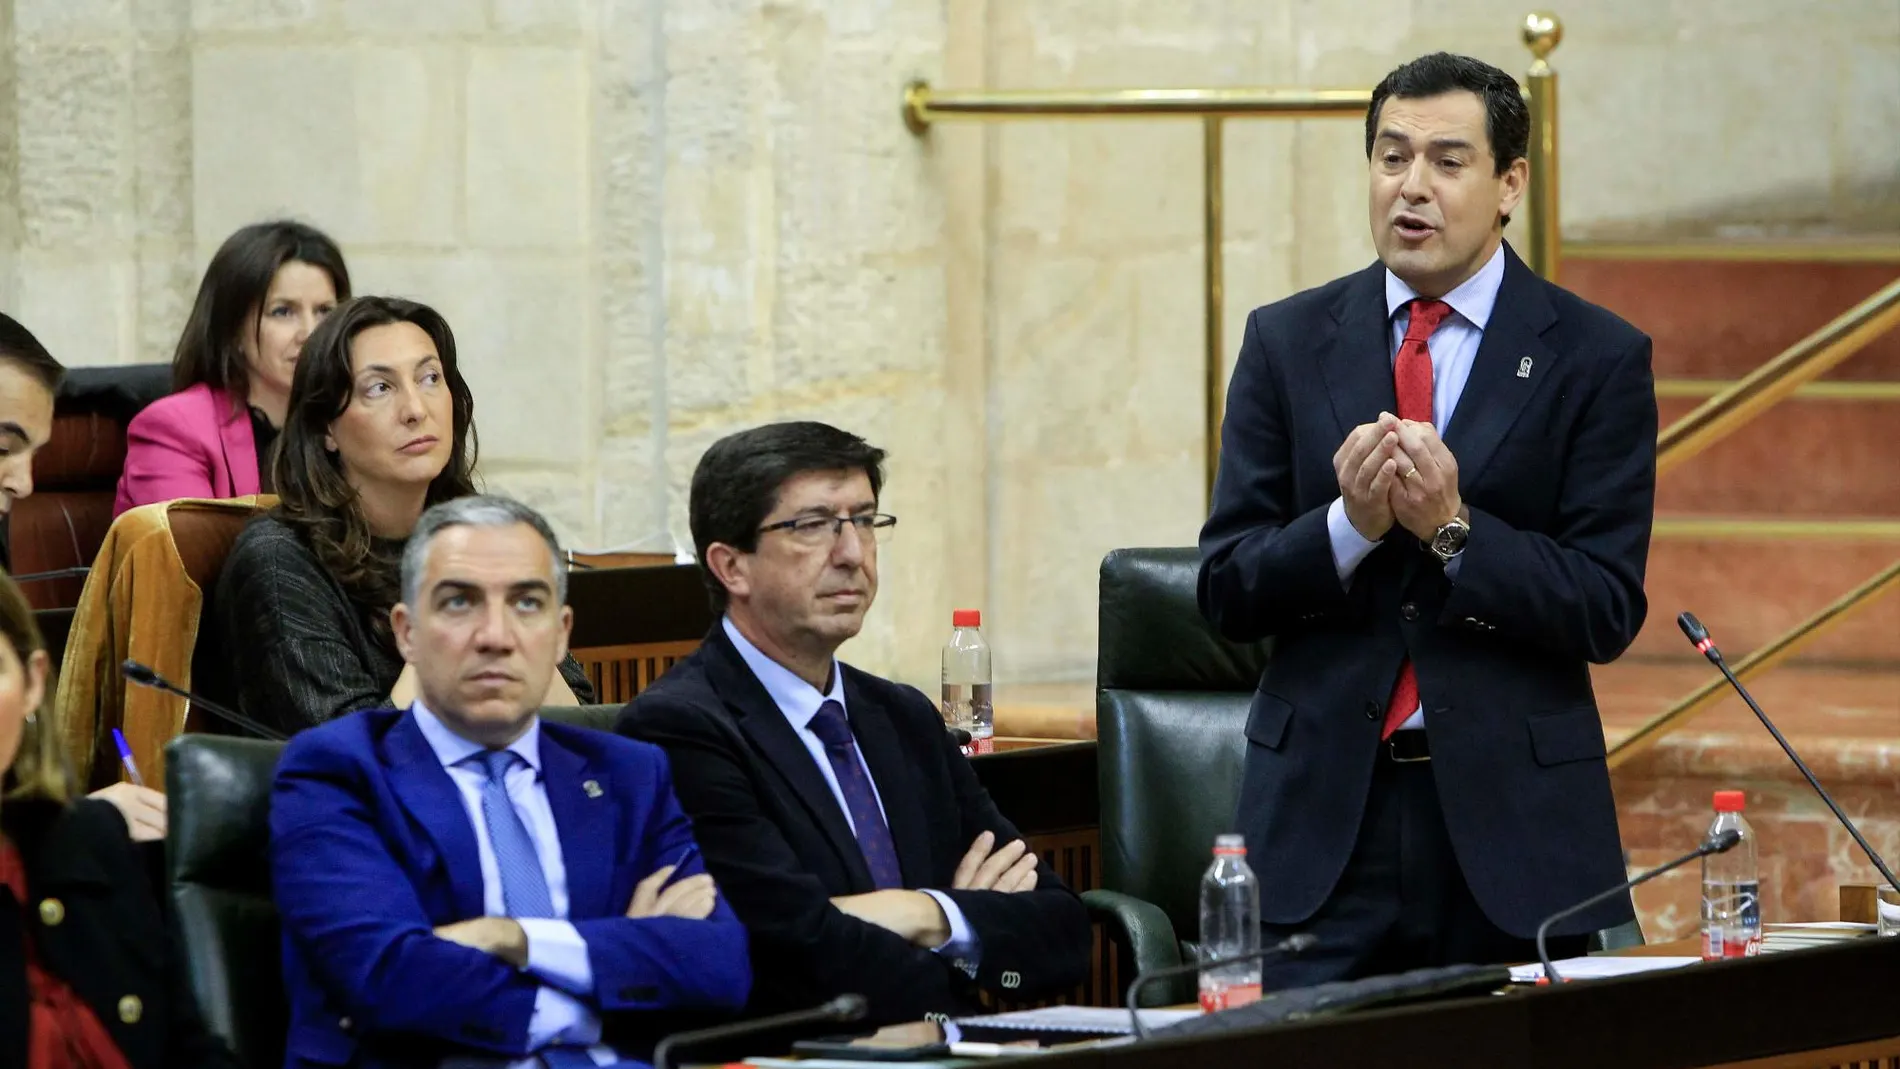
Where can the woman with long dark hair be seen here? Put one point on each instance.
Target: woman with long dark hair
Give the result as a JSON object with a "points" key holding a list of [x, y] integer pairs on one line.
{"points": [[381, 426], [265, 291], [90, 974]]}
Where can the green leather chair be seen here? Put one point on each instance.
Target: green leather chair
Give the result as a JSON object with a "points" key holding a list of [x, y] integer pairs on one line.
{"points": [[1171, 704], [218, 854]]}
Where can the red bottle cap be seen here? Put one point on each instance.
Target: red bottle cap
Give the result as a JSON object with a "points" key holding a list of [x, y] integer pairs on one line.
{"points": [[966, 618], [1729, 801]]}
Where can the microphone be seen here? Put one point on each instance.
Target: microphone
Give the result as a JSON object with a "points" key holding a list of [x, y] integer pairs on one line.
{"points": [[960, 736], [56, 573], [1292, 944], [1699, 636], [1713, 845], [146, 677], [843, 1009]]}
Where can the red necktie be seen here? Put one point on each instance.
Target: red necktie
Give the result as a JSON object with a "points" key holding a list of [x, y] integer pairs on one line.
{"points": [[1412, 375]]}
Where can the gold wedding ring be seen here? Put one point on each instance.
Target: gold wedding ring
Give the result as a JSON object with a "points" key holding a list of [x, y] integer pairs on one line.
{"points": [[1411, 473]]}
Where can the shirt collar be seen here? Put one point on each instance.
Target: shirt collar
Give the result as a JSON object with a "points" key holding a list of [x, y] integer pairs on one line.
{"points": [[452, 749], [797, 699], [1474, 298]]}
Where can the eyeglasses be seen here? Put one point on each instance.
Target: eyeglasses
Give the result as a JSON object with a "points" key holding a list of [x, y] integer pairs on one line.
{"points": [[823, 530]]}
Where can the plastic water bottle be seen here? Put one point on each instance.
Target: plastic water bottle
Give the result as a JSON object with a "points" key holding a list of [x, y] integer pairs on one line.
{"points": [[966, 681], [1731, 887], [1230, 925]]}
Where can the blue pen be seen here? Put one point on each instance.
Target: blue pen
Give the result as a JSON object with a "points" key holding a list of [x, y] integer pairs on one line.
{"points": [[125, 757]]}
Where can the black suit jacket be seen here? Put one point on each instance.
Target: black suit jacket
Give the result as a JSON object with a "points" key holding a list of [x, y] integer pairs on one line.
{"points": [[777, 843], [1555, 438], [96, 924]]}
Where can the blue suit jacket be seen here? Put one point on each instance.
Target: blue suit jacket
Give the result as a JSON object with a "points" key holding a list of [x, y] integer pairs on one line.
{"points": [[1555, 438], [371, 848]]}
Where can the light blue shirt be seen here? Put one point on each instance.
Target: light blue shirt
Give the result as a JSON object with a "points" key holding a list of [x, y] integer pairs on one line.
{"points": [[557, 955], [799, 702], [1454, 346]]}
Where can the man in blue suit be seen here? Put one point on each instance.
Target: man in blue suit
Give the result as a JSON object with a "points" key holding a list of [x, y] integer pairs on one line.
{"points": [[1436, 487], [461, 880]]}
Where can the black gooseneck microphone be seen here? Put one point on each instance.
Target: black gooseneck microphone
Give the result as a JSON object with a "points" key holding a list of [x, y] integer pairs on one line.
{"points": [[841, 1010], [1292, 944], [1716, 844], [959, 736], [1699, 636], [146, 677]]}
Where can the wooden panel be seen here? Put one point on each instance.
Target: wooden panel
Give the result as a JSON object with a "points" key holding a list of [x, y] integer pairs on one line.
{"points": [[1860, 903], [620, 672], [1879, 1054]]}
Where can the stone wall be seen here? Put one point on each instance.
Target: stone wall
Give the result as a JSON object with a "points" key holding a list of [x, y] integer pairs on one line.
{"points": [[655, 221]]}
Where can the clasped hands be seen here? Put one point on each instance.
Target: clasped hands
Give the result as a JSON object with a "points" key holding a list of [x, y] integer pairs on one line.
{"points": [[691, 898], [1396, 470], [1010, 868]]}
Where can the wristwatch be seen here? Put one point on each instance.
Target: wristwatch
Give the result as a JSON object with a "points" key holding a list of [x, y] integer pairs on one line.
{"points": [[1449, 540]]}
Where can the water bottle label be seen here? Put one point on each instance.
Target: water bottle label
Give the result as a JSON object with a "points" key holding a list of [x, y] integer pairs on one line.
{"points": [[1731, 920], [1219, 996]]}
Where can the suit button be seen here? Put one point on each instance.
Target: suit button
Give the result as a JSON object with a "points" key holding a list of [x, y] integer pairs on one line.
{"points": [[131, 1009], [1409, 610], [52, 911], [343, 1023], [1372, 710]]}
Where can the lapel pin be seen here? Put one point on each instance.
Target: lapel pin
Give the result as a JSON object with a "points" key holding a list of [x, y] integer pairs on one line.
{"points": [[1524, 368], [592, 787]]}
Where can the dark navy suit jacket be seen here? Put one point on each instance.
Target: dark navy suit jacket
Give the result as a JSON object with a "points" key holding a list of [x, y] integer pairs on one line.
{"points": [[1555, 438], [371, 848]]}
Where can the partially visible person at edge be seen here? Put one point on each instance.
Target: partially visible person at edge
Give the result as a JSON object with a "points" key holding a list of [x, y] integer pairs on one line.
{"points": [[90, 974], [29, 378], [380, 427], [265, 291]]}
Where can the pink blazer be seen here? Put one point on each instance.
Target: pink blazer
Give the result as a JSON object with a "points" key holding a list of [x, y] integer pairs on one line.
{"points": [[194, 443]]}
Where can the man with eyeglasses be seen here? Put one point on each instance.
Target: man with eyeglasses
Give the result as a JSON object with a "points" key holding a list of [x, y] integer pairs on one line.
{"points": [[838, 817]]}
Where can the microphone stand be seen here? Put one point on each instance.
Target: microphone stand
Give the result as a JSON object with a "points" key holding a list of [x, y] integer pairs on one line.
{"points": [[1716, 845], [843, 1009], [1699, 635]]}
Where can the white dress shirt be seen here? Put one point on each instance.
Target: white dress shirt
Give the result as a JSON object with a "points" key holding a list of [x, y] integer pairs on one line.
{"points": [[799, 701], [557, 955], [1453, 347]]}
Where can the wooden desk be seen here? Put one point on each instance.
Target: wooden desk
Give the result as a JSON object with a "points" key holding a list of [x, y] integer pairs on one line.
{"points": [[1809, 1009]]}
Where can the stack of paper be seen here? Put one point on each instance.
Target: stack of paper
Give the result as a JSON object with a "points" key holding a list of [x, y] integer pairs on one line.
{"points": [[1779, 937]]}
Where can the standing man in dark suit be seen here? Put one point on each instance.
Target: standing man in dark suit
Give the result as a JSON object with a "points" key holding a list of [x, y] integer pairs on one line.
{"points": [[849, 833], [1436, 486], [462, 883]]}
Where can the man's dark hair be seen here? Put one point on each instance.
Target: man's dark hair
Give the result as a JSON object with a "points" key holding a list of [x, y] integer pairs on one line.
{"points": [[737, 483], [1507, 118], [20, 348]]}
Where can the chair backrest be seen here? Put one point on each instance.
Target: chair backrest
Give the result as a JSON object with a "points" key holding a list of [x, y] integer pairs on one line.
{"points": [[219, 859], [143, 601], [76, 477], [598, 717], [632, 624], [1171, 705]]}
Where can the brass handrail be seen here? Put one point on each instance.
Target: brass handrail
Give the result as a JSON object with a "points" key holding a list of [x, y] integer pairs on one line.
{"points": [[1541, 31], [1754, 664], [1800, 363]]}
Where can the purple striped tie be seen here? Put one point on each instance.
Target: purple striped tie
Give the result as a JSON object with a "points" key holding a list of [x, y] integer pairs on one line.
{"points": [[874, 837]]}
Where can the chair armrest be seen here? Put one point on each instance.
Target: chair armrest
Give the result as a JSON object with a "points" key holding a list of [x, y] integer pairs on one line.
{"points": [[1138, 926]]}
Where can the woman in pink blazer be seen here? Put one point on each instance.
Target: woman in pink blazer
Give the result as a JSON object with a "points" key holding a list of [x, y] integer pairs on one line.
{"points": [[264, 292]]}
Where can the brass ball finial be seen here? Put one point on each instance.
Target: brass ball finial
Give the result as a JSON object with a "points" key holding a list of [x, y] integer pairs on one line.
{"points": [[1543, 32]]}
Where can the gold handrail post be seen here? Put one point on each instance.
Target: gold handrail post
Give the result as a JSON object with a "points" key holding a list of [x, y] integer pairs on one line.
{"points": [[1542, 33], [1212, 227]]}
